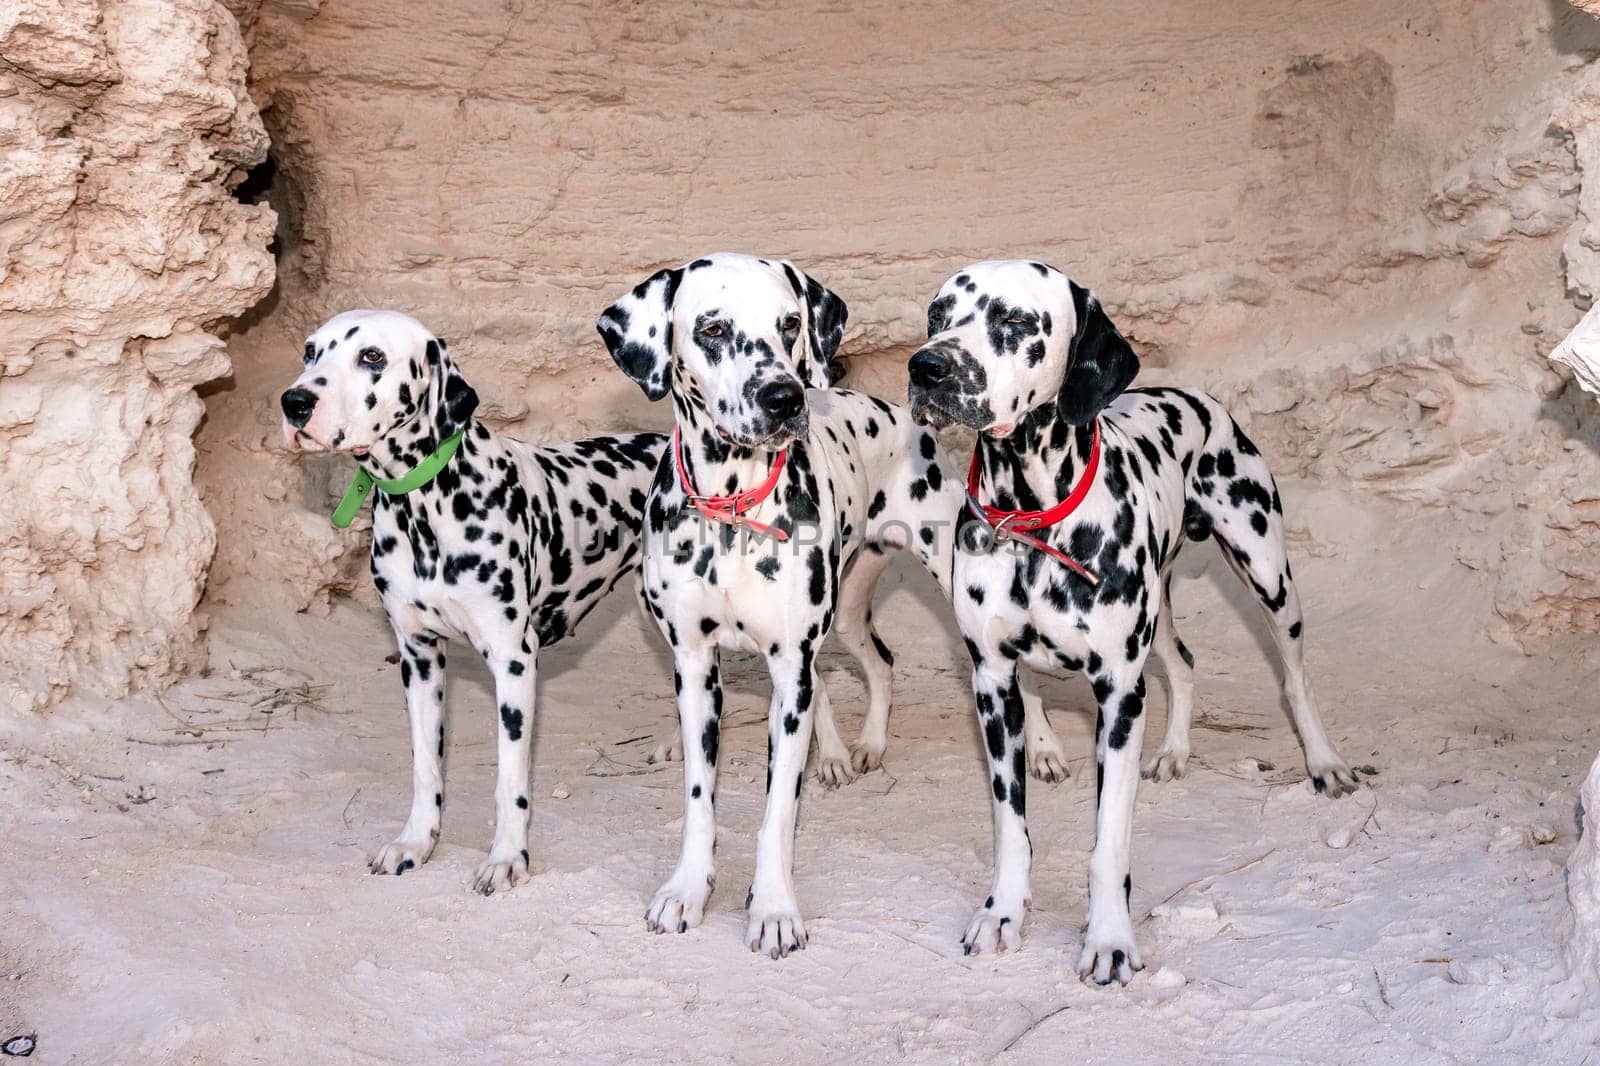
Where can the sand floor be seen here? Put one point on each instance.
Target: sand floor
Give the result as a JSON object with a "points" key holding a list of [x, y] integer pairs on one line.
{"points": [[186, 881]]}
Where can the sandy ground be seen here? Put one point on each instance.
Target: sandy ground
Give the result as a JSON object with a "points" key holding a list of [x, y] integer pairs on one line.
{"points": [[187, 882]]}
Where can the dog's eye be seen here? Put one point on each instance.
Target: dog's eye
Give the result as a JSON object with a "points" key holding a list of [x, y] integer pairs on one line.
{"points": [[712, 330], [791, 323], [311, 353], [1016, 318], [371, 357]]}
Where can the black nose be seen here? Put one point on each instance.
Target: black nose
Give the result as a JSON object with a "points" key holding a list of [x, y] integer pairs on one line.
{"points": [[298, 405], [929, 369], [781, 399]]}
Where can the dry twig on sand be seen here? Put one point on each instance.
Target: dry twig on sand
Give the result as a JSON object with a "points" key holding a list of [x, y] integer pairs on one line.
{"points": [[1031, 1027], [1206, 879]]}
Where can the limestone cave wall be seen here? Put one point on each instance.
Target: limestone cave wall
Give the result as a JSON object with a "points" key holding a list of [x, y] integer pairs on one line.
{"points": [[1360, 223], [124, 124]]}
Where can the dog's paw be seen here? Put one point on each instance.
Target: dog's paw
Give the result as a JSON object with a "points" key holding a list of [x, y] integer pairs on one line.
{"points": [[667, 749], [866, 756], [1330, 776], [775, 928], [679, 905], [993, 930], [1048, 766], [401, 856], [833, 770], [1110, 955], [499, 875], [1166, 764]]}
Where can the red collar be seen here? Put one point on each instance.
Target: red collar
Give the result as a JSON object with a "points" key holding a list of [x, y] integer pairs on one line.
{"points": [[1016, 525], [731, 509]]}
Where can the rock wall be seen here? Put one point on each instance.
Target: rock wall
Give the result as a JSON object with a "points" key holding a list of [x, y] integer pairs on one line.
{"points": [[1347, 217], [1583, 886], [123, 126]]}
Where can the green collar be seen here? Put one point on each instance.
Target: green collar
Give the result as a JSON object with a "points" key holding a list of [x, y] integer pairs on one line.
{"points": [[420, 475]]}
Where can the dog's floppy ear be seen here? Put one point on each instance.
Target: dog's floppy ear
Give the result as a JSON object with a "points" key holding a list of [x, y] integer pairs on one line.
{"points": [[825, 318], [1100, 364], [637, 330], [452, 399]]}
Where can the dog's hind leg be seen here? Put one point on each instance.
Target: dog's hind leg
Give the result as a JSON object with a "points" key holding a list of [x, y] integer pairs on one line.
{"points": [[1047, 759], [1235, 491], [856, 632], [833, 758], [667, 746], [1173, 757]]}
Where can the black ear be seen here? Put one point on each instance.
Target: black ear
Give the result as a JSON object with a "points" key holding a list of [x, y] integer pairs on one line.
{"points": [[826, 315], [1100, 364], [637, 330], [452, 398]]}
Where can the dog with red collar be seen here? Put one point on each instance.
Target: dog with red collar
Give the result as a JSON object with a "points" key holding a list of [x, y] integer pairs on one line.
{"points": [[767, 528], [1098, 486]]}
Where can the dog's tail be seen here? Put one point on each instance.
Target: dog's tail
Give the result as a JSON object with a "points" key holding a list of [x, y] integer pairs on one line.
{"points": [[1233, 498]]}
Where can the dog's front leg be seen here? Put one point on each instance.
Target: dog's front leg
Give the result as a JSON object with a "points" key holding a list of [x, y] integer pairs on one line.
{"points": [[997, 926], [422, 673], [507, 864], [775, 926], [680, 904], [1109, 951]]}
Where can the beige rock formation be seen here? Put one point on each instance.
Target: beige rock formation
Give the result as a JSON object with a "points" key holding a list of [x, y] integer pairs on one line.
{"points": [[1346, 217], [123, 126], [1583, 886]]}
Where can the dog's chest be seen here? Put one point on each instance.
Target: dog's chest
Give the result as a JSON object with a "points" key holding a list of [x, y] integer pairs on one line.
{"points": [[754, 588], [1026, 603], [459, 575]]}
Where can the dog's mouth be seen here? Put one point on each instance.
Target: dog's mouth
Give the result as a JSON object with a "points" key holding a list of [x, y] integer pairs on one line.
{"points": [[298, 440], [926, 411], [942, 412], [781, 436]]}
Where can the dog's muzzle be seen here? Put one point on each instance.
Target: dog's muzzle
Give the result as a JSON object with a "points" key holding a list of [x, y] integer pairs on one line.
{"points": [[297, 406], [932, 373], [783, 413], [930, 369], [781, 401]]}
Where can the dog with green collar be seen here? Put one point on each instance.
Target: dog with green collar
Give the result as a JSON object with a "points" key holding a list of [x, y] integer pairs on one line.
{"points": [[475, 535]]}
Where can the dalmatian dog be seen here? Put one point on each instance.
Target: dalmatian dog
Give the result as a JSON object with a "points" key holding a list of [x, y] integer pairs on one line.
{"points": [[1032, 362], [767, 528], [508, 546]]}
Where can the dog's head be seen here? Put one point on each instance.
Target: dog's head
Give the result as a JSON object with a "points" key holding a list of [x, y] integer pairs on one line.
{"points": [[368, 374], [733, 336], [1007, 337]]}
